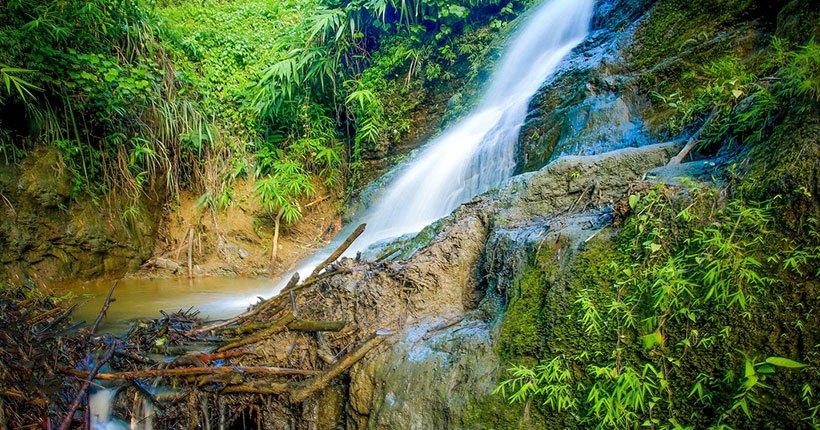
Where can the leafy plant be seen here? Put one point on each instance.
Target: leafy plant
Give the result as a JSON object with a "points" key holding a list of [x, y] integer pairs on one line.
{"points": [[280, 192], [551, 382]]}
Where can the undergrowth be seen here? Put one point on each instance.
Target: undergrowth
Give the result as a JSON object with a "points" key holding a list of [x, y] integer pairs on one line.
{"points": [[672, 340]]}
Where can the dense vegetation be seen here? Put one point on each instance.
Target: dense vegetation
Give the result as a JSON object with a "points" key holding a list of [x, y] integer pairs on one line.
{"points": [[148, 100], [697, 310]]}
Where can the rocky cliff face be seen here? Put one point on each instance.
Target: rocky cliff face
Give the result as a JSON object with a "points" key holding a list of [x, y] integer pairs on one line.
{"points": [[433, 378], [42, 230]]}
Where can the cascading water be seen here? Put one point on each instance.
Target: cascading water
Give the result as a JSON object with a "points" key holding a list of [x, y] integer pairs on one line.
{"points": [[478, 152]]}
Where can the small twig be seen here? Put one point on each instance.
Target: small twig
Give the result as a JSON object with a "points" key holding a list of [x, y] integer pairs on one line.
{"points": [[593, 235], [317, 201], [444, 325], [57, 320]]}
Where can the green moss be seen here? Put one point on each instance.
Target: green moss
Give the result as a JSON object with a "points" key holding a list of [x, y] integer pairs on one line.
{"points": [[495, 413], [788, 165], [522, 328]]}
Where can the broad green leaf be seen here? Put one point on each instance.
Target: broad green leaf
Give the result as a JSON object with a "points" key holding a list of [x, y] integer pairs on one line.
{"points": [[785, 362], [633, 200]]}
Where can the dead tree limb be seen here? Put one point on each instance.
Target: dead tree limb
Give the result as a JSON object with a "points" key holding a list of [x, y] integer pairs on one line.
{"points": [[47, 314], [340, 250], [259, 387], [308, 388], [692, 141], [104, 309], [305, 325], [282, 323], [59, 319], [193, 371], [264, 305], [207, 358], [69, 415]]}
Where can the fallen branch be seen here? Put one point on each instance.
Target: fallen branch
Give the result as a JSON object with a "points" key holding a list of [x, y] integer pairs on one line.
{"points": [[264, 305], [307, 388], [59, 319], [304, 325], [47, 314], [104, 309], [90, 376], [340, 250], [441, 326], [258, 387], [207, 358], [192, 371], [282, 323], [692, 141], [310, 281]]}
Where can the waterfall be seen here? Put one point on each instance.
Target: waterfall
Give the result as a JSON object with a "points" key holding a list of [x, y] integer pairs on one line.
{"points": [[477, 153]]}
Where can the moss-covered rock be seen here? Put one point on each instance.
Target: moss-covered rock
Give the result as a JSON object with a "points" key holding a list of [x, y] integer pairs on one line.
{"points": [[44, 231]]}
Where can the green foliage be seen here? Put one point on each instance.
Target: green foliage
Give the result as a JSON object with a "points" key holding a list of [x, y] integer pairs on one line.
{"points": [[359, 62], [282, 188], [738, 106], [97, 84], [14, 84], [687, 281], [551, 381]]}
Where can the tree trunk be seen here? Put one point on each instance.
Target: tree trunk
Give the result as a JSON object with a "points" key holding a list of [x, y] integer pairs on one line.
{"points": [[191, 253], [275, 249]]}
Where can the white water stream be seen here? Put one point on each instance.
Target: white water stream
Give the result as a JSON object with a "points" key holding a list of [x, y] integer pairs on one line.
{"points": [[470, 157], [478, 152]]}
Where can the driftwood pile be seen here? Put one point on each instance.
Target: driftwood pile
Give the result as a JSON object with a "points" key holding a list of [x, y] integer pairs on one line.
{"points": [[35, 340], [281, 348]]}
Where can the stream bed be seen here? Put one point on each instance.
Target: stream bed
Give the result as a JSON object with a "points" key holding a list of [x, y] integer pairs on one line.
{"points": [[138, 298]]}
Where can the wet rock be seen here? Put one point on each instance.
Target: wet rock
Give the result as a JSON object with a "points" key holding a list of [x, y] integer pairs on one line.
{"points": [[572, 182], [440, 379], [446, 373], [44, 178], [43, 230]]}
